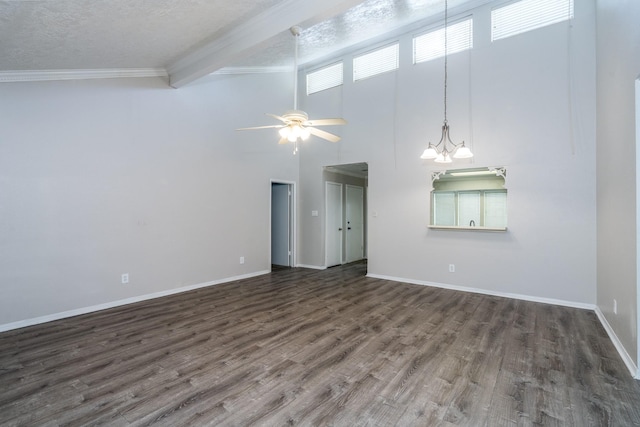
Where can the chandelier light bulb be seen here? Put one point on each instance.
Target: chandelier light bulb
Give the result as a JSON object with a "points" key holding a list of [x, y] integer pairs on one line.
{"points": [[443, 157], [430, 153], [463, 152]]}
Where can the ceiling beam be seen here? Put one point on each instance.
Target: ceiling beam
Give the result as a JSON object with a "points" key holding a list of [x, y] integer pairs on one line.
{"points": [[246, 38]]}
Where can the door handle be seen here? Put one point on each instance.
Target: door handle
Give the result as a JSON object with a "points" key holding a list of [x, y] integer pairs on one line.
{"points": [[340, 229], [348, 228]]}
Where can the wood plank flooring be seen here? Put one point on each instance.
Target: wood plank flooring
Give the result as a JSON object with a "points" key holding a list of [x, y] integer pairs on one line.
{"points": [[318, 348]]}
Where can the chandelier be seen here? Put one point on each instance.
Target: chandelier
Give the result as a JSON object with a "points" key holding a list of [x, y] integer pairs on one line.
{"points": [[445, 149]]}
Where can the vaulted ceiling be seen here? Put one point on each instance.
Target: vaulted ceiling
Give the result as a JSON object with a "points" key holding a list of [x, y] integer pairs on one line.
{"points": [[189, 39]]}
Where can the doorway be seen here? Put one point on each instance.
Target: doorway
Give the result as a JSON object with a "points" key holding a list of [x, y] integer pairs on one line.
{"points": [[282, 224], [345, 208]]}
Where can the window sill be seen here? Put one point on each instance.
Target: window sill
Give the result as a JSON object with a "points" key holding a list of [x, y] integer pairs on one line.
{"points": [[452, 227]]}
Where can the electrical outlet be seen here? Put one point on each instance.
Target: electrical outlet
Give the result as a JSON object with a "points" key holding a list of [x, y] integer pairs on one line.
{"points": [[241, 260], [452, 268], [615, 307], [125, 278]]}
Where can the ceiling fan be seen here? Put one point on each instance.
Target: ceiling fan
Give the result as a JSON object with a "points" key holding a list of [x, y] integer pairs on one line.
{"points": [[296, 125]]}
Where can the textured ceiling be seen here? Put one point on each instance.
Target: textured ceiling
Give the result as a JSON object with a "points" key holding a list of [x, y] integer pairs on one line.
{"points": [[91, 34], [368, 20], [191, 38]]}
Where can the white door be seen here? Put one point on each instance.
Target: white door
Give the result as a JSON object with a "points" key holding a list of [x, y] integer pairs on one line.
{"points": [[281, 198], [333, 229], [355, 223]]}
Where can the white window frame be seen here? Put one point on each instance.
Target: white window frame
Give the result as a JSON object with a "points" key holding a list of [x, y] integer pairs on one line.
{"points": [[527, 15], [324, 78], [430, 45], [455, 205], [378, 61]]}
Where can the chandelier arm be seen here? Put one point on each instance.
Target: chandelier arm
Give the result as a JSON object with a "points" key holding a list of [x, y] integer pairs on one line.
{"points": [[443, 138], [449, 139]]}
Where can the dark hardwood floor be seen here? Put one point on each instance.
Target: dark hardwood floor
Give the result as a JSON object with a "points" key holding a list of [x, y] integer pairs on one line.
{"points": [[313, 348]]}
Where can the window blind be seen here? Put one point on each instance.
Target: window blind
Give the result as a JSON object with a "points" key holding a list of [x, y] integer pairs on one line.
{"points": [[325, 78], [444, 212], [431, 45], [495, 208], [527, 15], [376, 62], [469, 208]]}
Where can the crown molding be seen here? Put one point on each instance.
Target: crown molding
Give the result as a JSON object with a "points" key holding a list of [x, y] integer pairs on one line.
{"points": [[50, 75]]}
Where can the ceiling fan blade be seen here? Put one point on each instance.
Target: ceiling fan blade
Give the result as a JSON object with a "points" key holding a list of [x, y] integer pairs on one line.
{"points": [[326, 122], [322, 134], [282, 119], [283, 140], [262, 127]]}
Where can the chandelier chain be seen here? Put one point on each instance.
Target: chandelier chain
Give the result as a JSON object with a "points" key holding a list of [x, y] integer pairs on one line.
{"points": [[445, 149], [446, 8]]}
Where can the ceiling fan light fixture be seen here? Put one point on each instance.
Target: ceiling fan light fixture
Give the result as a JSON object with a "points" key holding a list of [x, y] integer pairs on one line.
{"points": [[292, 136], [296, 125]]}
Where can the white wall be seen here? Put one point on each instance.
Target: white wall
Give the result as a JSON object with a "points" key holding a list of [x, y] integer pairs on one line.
{"points": [[100, 178], [527, 103], [618, 48], [104, 177]]}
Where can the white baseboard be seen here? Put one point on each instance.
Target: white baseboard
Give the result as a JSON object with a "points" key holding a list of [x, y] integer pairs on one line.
{"points": [[616, 342], [126, 301], [313, 267], [633, 369], [553, 301]]}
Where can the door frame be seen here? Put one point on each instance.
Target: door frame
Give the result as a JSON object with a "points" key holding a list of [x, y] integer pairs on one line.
{"points": [[637, 87], [292, 219], [326, 220]]}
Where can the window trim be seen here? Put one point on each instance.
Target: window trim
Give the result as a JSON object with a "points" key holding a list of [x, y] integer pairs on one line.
{"points": [[440, 29], [523, 27], [457, 213], [394, 44], [325, 68]]}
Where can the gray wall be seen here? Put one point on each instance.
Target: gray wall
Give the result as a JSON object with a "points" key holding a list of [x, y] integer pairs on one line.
{"points": [[618, 68], [526, 103], [104, 177]]}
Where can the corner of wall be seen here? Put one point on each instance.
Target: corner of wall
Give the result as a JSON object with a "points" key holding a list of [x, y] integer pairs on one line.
{"points": [[626, 358]]}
